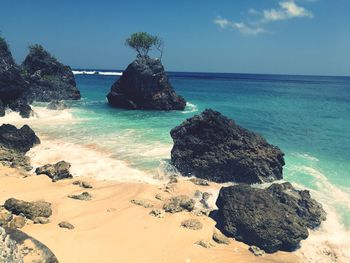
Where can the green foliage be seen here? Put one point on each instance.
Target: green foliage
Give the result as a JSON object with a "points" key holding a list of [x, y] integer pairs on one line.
{"points": [[143, 42]]}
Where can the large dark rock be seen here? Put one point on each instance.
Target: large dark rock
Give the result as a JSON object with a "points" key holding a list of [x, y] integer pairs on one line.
{"points": [[276, 218], [56, 172], [12, 83], [14, 159], [20, 140], [144, 85], [49, 79], [213, 147], [30, 210]]}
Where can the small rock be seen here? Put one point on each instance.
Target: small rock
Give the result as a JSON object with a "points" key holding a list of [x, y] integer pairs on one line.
{"points": [[84, 196], [198, 194], [157, 213], [112, 209], [179, 203], [41, 220], [56, 105], [256, 251], [17, 222], [82, 184], [205, 243], [220, 238], [193, 224], [159, 197], [199, 181], [143, 203], [57, 171], [65, 224], [169, 188], [172, 179], [206, 196]]}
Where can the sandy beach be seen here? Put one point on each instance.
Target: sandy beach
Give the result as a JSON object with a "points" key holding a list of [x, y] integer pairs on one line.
{"points": [[109, 228]]}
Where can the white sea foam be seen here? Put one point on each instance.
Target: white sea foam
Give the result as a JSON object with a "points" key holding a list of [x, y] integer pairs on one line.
{"points": [[90, 72], [306, 156], [88, 161], [190, 108]]}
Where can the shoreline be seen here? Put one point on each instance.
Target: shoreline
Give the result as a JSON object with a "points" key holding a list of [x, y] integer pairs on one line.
{"points": [[110, 227]]}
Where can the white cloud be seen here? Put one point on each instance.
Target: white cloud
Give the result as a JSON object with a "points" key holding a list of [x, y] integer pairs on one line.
{"points": [[288, 9], [242, 27]]}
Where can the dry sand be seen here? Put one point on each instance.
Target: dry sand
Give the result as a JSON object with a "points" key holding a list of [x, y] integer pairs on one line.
{"points": [[109, 228]]}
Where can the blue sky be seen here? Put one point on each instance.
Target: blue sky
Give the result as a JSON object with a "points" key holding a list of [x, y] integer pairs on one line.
{"points": [[243, 36]]}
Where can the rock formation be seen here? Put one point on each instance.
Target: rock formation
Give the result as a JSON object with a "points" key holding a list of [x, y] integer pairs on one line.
{"points": [[12, 83], [49, 79], [276, 218], [30, 210], [213, 147], [56, 172], [144, 85], [20, 140]]}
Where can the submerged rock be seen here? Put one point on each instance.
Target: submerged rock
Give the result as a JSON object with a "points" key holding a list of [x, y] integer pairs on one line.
{"points": [[56, 172], [144, 85], [49, 79], [57, 105], [213, 147], [20, 140], [30, 210], [262, 218]]}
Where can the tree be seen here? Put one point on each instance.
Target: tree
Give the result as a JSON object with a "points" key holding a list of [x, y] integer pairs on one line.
{"points": [[143, 42]]}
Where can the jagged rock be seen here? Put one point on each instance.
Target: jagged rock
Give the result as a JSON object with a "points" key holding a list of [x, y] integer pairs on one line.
{"points": [[144, 85], [18, 247], [65, 224], [17, 222], [84, 196], [14, 159], [41, 220], [83, 184], [49, 79], [179, 203], [157, 213], [12, 84], [256, 251], [193, 224], [205, 243], [22, 107], [213, 147], [267, 218], [142, 202], [56, 172], [308, 209], [220, 238], [30, 210], [159, 197], [20, 140], [57, 105]]}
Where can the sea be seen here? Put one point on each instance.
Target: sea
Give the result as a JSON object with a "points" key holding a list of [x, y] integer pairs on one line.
{"points": [[308, 117]]}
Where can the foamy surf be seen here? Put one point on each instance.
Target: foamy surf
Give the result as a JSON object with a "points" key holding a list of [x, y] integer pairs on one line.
{"points": [[87, 162], [190, 108], [89, 72]]}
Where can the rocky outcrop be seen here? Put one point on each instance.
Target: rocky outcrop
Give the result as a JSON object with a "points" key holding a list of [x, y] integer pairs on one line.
{"points": [[16, 247], [179, 203], [213, 147], [30, 210], [12, 84], [14, 159], [49, 79], [84, 196], [56, 172], [144, 85], [276, 218], [20, 140]]}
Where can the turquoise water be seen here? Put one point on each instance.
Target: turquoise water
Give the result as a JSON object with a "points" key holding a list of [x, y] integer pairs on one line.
{"points": [[307, 117]]}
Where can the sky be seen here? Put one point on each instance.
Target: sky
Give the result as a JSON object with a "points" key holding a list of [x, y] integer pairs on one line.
{"points": [[307, 37]]}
